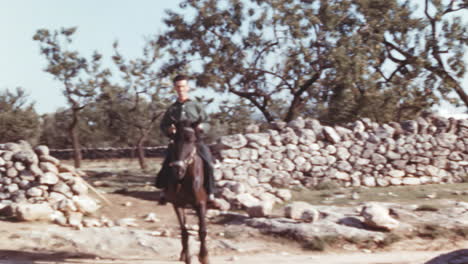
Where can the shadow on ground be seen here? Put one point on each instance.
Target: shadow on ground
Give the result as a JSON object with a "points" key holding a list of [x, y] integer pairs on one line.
{"points": [[28, 257], [458, 257], [144, 195]]}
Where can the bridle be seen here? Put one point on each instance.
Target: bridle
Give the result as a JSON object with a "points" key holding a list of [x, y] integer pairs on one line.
{"points": [[186, 162]]}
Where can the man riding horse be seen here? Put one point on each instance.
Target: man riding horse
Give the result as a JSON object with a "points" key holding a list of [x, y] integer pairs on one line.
{"points": [[187, 111]]}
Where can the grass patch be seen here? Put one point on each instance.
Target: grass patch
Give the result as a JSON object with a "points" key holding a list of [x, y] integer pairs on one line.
{"points": [[341, 196], [433, 231], [327, 185], [390, 239], [320, 243]]}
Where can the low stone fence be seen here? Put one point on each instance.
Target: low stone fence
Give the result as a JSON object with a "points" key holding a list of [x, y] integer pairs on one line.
{"points": [[109, 153], [36, 186], [254, 166]]}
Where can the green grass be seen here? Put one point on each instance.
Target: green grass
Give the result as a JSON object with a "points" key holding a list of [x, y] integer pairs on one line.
{"points": [[340, 196]]}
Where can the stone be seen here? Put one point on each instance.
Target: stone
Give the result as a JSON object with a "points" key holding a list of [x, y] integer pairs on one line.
{"points": [[396, 173], [289, 136], [378, 159], [246, 200], [19, 166], [66, 205], [49, 178], [223, 204], [284, 194], [358, 126], [369, 181], [91, 222], [26, 157], [307, 136], [318, 160], [34, 192], [12, 188], [298, 123], [311, 215], [33, 212], [79, 187], [446, 140], [342, 176], [62, 188], [385, 131], [410, 126], [299, 210], [342, 153], [252, 128], [456, 156], [233, 141], [262, 209], [59, 218], [411, 181], [48, 167], [393, 155], [229, 153], [66, 176], [35, 170], [378, 216], [75, 219], [247, 154], [11, 172], [50, 159], [343, 132], [261, 139], [396, 181], [287, 165], [344, 166], [331, 135], [41, 150], [55, 197], [85, 204]]}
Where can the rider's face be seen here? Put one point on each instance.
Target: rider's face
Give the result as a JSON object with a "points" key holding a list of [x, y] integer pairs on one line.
{"points": [[182, 88]]}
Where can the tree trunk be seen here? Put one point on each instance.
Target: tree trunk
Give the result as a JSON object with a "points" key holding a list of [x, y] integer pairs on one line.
{"points": [[75, 139], [141, 151]]}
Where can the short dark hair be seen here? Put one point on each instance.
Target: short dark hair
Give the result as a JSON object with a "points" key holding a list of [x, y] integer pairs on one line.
{"points": [[180, 77]]}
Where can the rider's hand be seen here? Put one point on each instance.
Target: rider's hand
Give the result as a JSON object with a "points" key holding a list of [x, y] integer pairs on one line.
{"points": [[171, 130]]}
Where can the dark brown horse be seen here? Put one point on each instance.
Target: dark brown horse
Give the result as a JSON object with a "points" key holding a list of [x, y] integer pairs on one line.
{"points": [[186, 189]]}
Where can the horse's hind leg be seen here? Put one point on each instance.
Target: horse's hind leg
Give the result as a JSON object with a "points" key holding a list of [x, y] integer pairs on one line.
{"points": [[185, 253], [203, 255]]}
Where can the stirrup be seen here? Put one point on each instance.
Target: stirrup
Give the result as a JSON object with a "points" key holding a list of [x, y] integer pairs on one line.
{"points": [[162, 199]]}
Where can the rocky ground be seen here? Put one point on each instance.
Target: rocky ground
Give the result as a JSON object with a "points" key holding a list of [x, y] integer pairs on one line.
{"points": [[144, 232]]}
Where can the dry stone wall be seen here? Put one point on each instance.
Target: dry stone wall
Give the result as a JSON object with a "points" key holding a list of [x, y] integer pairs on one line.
{"points": [[36, 186], [258, 167]]}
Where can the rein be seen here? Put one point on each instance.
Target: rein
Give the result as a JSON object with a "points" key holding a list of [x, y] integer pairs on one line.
{"points": [[188, 161]]}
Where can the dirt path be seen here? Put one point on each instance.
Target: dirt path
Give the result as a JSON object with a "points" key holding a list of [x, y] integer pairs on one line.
{"points": [[43, 243], [408, 257]]}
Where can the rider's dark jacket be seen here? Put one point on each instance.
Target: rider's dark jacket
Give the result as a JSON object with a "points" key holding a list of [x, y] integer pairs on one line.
{"points": [[192, 112], [189, 110]]}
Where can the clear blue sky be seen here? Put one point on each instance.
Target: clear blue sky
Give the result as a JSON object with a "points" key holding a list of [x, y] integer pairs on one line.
{"points": [[99, 22]]}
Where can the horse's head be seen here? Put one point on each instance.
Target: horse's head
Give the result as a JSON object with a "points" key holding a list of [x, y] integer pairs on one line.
{"points": [[184, 148]]}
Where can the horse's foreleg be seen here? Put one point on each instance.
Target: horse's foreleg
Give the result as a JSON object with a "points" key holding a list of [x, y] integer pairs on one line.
{"points": [[185, 253], [203, 255]]}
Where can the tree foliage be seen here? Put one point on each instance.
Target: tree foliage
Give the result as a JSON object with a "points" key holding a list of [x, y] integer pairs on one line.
{"points": [[80, 77], [18, 118], [338, 59], [146, 96]]}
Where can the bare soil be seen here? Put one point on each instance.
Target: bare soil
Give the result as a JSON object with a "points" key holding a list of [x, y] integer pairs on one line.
{"points": [[131, 195]]}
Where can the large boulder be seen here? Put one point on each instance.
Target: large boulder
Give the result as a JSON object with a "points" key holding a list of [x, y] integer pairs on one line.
{"points": [[378, 216], [32, 212], [301, 211]]}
